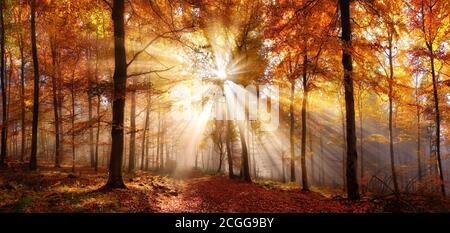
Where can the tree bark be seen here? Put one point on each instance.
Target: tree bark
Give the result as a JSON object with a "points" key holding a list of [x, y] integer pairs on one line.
{"points": [[245, 164], [4, 134], [437, 121], [391, 136], [144, 133], [55, 102], [292, 131], [352, 154], [229, 150], [361, 141], [131, 157], [91, 128], [305, 185], [33, 157], [115, 179], [72, 92], [419, 163], [22, 99]]}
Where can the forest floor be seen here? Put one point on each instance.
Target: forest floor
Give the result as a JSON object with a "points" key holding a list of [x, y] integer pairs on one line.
{"points": [[58, 190]]}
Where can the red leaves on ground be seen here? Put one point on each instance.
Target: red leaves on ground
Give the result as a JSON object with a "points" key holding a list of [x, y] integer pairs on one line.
{"points": [[220, 194]]}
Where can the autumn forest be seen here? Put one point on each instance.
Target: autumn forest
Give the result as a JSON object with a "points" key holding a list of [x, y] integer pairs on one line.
{"points": [[225, 106]]}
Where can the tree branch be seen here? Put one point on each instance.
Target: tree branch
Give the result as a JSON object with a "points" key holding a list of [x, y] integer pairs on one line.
{"points": [[148, 72], [108, 3]]}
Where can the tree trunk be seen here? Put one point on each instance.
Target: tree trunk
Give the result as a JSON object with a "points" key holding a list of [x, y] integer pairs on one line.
{"points": [[245, 164], [352, 154], [419, 164], [292, 131], [305, 185], [361, 137], [344, 146], [162, 142], [115, 179], [4, 134], [33, 157], [131, 158], [229, 151], [144, 133], [91, 128], [322, 159], [22, 100], [55, 103], [437, 121], [391, 136], [97, 139], [72, 92]]}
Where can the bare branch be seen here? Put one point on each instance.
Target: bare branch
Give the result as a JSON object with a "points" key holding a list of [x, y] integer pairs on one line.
{"points": [[148, 72], [108, 3]]}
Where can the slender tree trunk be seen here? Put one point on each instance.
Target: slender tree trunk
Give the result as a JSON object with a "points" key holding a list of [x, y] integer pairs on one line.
{"points": [[148, 142], [91, 128], [352, 154], [229, 151], [144, 133], [22, 100], [98, 94], [72, 92], [245, 164], [283, 167], [158, 142], [115, 179], [437, 120], [391, 136], [419, 163], [292, 131], [344, 147], [33, 157], [131, 158], [162, 143], [255, 173], [361, 141], [97, 139], [322, 160], [55, 103], [305, 185], [4, 134]]}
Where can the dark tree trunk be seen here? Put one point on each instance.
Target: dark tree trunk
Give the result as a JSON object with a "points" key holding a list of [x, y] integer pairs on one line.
{"points": [[131, 158], [322, 159], [33, 157], [22, 99], [245, 163], [305, 185], [72, 92], [352, 155], [391, 136], [344, 146], [144, 133], [361, 141], [158, 142], [292, 131], [91, 128], [437, 121], [115, 179], [55, 103], [229, 150], [4, 148], [419, 163], [97, 139]]}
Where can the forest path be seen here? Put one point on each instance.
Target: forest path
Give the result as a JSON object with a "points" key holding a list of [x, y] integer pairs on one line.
{"points": [[221, 194]]}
